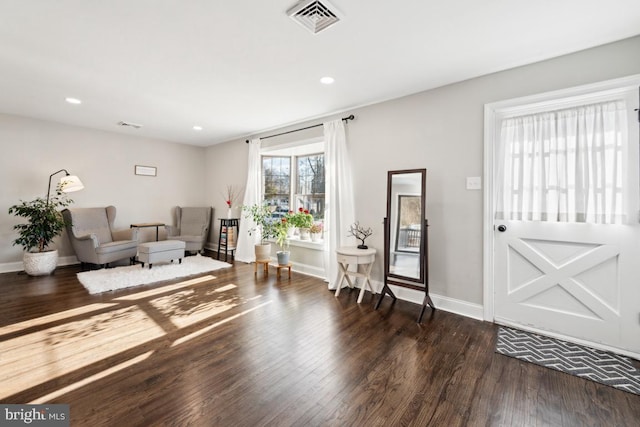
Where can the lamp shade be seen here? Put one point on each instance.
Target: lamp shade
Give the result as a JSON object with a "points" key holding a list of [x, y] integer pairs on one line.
{"points": [[70, 183]]}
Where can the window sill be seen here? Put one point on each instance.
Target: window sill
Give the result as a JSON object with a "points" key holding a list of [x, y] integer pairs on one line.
{"points": [[308, 244]]}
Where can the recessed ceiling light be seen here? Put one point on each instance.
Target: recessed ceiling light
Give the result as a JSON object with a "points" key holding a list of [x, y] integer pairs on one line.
{"points": [[73, 100], [197, 127], [327, 80]]}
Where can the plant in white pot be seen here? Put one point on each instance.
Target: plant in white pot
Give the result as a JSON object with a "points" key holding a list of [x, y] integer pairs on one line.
{"points": [[45, 222], [303, 220], [265, 227], [316, 232]]}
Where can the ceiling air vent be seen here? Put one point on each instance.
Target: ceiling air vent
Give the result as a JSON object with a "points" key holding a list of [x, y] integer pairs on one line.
{"points": [[314, 15], [128, 124]]}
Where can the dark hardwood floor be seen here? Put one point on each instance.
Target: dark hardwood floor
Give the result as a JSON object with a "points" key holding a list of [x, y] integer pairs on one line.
{"points": [[239, 350]]}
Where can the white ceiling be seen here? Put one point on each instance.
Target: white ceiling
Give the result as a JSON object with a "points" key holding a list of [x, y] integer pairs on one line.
{"points": [[240, 67]]}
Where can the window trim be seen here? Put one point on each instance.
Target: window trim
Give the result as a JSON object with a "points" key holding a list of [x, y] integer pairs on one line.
{"points": [[300, 148]]}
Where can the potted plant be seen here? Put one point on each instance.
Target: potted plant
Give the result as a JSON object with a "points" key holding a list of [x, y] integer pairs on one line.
{"points": [[361, 233], [282, 239], [316, 231], [261, 216], [45, 222], [303, 220]]}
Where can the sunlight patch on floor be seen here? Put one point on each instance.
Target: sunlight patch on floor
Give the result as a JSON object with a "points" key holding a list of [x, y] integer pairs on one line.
{"points": [[215, 325], [186, 307], [50, 353], [96, 332], [226, 288], [16, 327], [163, 289]]}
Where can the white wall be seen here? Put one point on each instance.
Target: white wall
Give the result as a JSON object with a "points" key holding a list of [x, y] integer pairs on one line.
{"points": [[104, 161], [442, 130], [227, 165]]}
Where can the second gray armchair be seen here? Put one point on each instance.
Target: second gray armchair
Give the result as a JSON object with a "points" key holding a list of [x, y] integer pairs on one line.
{"points": [[192, 227]]}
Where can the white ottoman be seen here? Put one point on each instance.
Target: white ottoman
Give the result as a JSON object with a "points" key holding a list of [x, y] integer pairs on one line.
{"points": [[163, 250]]}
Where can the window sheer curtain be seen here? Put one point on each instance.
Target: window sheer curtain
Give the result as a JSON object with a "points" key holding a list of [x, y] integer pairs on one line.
{"points": [[339, 200], [245, 251], [563, 166]]}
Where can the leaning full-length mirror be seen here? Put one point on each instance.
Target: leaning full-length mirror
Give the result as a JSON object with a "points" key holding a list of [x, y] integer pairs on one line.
{"points": [[405, 224]]}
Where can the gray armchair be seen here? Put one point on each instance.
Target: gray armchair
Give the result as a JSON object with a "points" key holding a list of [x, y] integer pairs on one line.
{"points": [[192, 227], [93, 238]]}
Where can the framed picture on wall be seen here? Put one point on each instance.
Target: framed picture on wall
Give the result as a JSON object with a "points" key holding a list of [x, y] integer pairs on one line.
{"points": [[146, 170]]}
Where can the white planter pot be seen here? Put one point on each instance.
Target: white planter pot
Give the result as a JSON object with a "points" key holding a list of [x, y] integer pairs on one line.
{"points": [[304, 233], [40, 263], [315, 237], [263, 251]]}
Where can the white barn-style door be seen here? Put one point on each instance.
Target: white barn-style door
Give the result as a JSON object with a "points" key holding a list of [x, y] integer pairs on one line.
{"points": [[573, 279]]}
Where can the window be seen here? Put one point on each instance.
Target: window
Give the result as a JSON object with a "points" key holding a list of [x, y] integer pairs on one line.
{"points": [[310, 185], [565, 165], [293, 177], [276, 182]]}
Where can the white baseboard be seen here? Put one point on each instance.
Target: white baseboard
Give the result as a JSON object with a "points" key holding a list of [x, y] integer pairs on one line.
{"points": [[464, 308], [9, 267], [298, 267], [309, 270], [444, 303]]}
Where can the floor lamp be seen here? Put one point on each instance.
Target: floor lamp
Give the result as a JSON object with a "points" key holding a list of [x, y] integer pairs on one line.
{"points": [[68, 183]]}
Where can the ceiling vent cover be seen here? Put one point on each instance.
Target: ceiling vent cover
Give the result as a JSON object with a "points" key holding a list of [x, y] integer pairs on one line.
{"points": [[314, 15], [129, 124]]}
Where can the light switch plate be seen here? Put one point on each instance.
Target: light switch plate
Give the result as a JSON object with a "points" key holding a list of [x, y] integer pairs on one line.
{"points": [[474, 183]]}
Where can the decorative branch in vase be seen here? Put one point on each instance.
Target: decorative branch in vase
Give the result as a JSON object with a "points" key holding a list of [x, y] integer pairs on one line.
{"points": [[360, 233], [231, 197]]}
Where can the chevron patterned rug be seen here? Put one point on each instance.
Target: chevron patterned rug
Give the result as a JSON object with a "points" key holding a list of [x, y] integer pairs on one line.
{"points": [[584, 362]]}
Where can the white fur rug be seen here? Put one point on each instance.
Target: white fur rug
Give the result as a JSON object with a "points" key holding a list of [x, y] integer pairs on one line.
{"points": [[110, 279]]}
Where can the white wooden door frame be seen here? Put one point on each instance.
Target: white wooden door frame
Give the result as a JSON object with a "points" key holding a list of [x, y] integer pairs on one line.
{"points": [[491, 111]]}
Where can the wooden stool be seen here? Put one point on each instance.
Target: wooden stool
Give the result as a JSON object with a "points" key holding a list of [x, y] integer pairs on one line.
{"points": [[280, 267], [265, 263]]}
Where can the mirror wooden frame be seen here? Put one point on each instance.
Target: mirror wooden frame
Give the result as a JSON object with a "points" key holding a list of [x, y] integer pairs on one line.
{"points": [[421, 282]]}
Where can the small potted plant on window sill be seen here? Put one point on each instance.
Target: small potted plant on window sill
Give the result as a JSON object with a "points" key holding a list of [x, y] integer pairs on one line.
{"points": [[303, 220], [316, 232]]}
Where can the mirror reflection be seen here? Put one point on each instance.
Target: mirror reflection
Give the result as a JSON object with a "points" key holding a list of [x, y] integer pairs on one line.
{"points": [[406, 219]]}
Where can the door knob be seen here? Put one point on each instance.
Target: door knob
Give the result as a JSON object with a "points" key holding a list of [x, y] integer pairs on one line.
{"points": [[502, 228]]}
